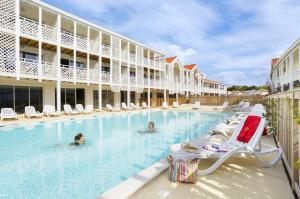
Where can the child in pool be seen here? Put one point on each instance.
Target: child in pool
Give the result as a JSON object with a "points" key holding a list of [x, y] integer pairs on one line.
{"points": [[150, 128]]}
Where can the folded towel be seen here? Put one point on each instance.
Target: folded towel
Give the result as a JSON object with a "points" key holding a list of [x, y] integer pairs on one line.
{"points": [[189, 148], [216, 148]]}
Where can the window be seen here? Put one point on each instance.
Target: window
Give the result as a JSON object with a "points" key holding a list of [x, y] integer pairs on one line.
{"points": [[95, 99], [6, 97], [64, 62], [78, 64], [72, 96], [21, 98], [132, 73], [36, 98], [30, 56]]}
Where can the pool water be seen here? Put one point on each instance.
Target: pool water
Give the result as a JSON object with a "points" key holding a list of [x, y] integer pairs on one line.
{"points": [[36, 160]]}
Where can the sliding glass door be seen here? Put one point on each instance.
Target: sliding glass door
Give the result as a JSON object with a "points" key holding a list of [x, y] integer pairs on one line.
{"points": [[6, 97]]}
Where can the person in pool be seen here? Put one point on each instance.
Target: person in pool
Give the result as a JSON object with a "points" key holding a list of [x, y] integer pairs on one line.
{"points": [[78, 140], [150, 128]]}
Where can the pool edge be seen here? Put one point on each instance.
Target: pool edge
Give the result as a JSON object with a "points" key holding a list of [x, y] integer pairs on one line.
{"points": [[128, 187]]}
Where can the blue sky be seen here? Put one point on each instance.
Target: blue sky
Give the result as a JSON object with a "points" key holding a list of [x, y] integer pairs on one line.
{"points": [[232, 41]]}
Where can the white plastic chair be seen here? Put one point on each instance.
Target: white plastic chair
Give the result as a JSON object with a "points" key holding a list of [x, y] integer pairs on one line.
{"points": [[197, 105], [175, 104], [144, 105], [8, 113], [164, 105], [31, 112], [68, 110], [133, 106], [234, 146], [49, 110], [80, 109], [125, 107]]}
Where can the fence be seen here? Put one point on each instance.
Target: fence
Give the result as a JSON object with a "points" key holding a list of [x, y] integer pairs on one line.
{"points": [[208, 100], [283, 113]]}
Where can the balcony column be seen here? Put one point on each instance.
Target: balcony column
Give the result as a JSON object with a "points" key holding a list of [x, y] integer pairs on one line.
{"points": [[17, 39], [74, 53], [165, 85], [136, 80], [40, 33], [100, 72], [88, 56], [58, 71], [128, 73], [149, 78], [110, 60]]}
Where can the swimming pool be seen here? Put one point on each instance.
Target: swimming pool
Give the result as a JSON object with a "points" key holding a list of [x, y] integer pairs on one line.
{"points": [[36, 160]]}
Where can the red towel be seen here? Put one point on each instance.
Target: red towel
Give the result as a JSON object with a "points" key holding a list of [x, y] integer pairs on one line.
{"points": [[249, 128]]}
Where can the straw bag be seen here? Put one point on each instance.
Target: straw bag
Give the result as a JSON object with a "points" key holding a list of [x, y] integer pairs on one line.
{"points": [[181, 170]]}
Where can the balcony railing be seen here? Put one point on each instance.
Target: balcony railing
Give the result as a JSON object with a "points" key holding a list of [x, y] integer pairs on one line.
{"points": [[29, 27], [7, 21], [94, 75], [7, 66], [152, 63], [81, 74], [94, 46], [81, 42], [132, 58], [67, 73], [49, 33], [67, 39], [146, 61], [49, 71], [105, 77], [124, 56], [29, 68], [124, 78], [106, 50], [132, 80]]}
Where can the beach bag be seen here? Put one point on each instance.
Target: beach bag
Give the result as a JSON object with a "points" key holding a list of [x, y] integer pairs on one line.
{"points": [[181, 170]]}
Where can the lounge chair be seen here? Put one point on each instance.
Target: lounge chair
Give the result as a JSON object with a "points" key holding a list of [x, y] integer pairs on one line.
{"points": [[223, 107], [239, 105], [8, 113], [175, 105], [246, 138], [197, 105], [125, 107], [50, 111], [164, 105], [31, 112], [112, 109], [144, 105], [68, 110], [132, 106], [137, 106], [88, 109]]}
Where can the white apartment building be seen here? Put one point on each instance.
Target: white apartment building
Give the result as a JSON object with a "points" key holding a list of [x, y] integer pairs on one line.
{"points": [[48, 56], [285, 71]]}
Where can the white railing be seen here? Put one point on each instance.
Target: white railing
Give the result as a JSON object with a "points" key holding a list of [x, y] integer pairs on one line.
{"points": [[124, 78], [29, 27], [105, 77], [146, 82], [124, 55], [106, 50], [81, 42], [94, 75], [29, 68], [132, 80], [140, 81], [146, 61], [67, 38], [81, 74], [49, 33], [152, 63], [66, 73], [7, 21], [132, 58], [94, 47], [7, 66], [49, 71]]}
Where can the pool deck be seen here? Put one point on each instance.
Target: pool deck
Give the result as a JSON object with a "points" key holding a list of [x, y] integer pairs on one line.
{"points": [[238, 177]]}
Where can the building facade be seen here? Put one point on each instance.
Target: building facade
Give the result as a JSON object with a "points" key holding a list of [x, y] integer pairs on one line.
{"points": [[48, 56], [285, 70]]}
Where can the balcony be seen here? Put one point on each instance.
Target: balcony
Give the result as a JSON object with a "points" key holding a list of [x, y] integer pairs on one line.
{"points": [[146, 82], [94, 75], [152, 82], [67, 74], [67, 39], [49, 33], [29, 68], [132, 80], [49, 71], [146, 61], [124, 78], [152, 63], [132, 58], [105, 77], [81, 74], [124, 56], [106, 50], [7, 21], [7, 66], [81, 43], [94, 47], [29, 28]]}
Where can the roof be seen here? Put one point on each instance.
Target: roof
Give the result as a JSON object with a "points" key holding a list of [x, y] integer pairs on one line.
{"points": [[170, 59], [274, 61], [190, 67], [212, 81]]}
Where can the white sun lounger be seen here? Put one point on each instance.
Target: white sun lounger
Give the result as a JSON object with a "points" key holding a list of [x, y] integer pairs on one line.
{"points": [[235, 147], [125, 107], [197, 105], [164, 105], [68, 110], [223, 107], [175, 105], [8, 113], [132, 106], [31, 112], [137, 106], [144, 105], [113, 109], [88, 109], [49, 110]]}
